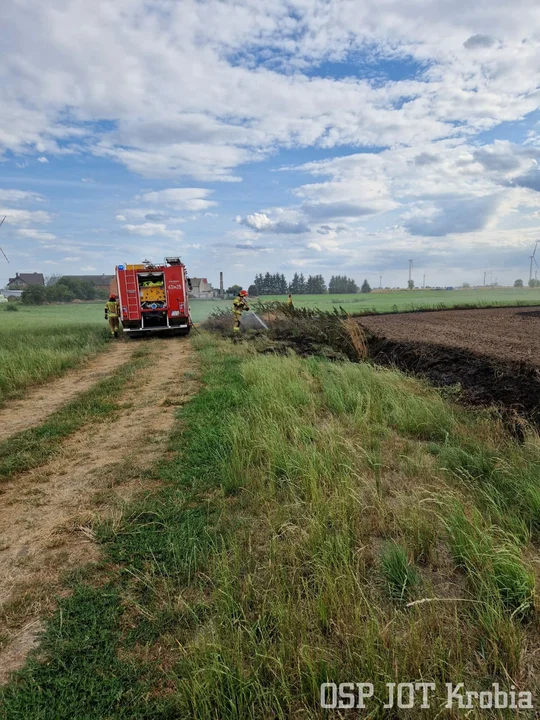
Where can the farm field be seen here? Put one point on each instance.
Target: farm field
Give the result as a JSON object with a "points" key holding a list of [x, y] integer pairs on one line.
{"points": [[511, 334], [92, 313], [391, 301], [403, 300], [191, 528], [493, 354], [40, 343]]}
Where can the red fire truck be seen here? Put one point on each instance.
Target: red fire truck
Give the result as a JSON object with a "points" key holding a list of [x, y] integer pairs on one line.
{"points": [[154, 298]]}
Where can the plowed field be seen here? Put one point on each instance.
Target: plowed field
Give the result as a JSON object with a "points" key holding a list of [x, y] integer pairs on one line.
{"points": [[493, 354]]}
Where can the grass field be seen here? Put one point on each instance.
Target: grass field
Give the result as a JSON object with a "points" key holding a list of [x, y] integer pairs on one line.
{"points": [[312, 522], [39, 343], [392, 301]]}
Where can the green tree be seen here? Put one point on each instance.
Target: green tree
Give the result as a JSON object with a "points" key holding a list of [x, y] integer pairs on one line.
{"points": [[34, 295], [342, 284], [518, 283], [59, 293], [253, 291], [315, 285], [234, 290], [81, 289], [410, 284], [294, 285], [366, 287]]}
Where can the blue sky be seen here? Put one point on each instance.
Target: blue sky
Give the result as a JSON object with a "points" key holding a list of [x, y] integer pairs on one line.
{"points": [[310, 136]]}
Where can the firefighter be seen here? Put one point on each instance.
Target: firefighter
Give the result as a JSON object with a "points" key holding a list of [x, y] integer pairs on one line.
{"points": [[239, 306], [289, 301], [112, 312]]}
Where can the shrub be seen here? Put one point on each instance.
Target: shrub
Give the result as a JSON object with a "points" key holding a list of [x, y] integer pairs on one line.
{"points": [[34, 295]]}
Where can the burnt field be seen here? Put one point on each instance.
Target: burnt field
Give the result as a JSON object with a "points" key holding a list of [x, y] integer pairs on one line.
{"points": [[493, 354]]}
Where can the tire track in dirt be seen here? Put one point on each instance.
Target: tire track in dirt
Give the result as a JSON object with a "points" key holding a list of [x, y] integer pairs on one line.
{"points": [[47, 514], [42, 401]]}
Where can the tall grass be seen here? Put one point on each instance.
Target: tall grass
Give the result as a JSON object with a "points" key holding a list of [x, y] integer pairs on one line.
{"points": [[35, 353], [310, 528]]}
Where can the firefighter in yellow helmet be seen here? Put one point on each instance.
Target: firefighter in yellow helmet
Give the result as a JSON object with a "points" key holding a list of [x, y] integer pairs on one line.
{"points": [[112, 313], [239, 306]]}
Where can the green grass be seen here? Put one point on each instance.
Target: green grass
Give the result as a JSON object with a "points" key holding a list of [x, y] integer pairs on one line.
{"points": [[391, 301], [386, 301], [306, 505], [48, 315], [402, 300], [399, 573], [39, 343], [32, 448]]}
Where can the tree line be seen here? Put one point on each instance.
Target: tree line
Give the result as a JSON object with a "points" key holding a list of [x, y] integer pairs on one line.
{"points": [[65, 290], [276, 284], [533, 283]]}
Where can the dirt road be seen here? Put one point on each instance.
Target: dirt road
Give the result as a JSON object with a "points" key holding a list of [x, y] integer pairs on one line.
{"points": [[39, 402], [46, 515]]}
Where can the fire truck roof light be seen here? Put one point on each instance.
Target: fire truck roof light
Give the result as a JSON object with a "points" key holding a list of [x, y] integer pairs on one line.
{"points": [[120, 267]]}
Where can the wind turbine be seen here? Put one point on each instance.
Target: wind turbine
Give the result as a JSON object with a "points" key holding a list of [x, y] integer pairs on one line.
{"points": [[3, 253], [531, 258]]}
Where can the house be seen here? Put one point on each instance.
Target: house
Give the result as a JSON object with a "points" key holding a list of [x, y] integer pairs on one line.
{"points": [[23, 280], [201, 289], [101, 282]]}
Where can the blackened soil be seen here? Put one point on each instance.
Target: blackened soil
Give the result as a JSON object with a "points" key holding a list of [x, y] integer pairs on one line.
{"points": [[484, 380]]}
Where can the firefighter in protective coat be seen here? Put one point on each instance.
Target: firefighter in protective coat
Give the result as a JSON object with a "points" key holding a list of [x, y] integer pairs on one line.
{"points": [[112, 313], [239, 306]]}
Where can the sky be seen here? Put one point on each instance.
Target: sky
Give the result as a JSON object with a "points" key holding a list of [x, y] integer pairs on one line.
{"points": [[314, 136]]}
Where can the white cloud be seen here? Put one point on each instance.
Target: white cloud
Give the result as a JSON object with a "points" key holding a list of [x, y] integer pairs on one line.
{"points": [[15, 216], [36, 235], [260, 222], [193, 199], [224, 112], [152, 229], [20, 196], [42, 159], [110, 79]]}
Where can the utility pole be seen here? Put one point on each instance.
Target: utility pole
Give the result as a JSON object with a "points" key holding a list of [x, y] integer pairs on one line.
{"points": [[380, 282], [410, 268], [484, 278]]}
